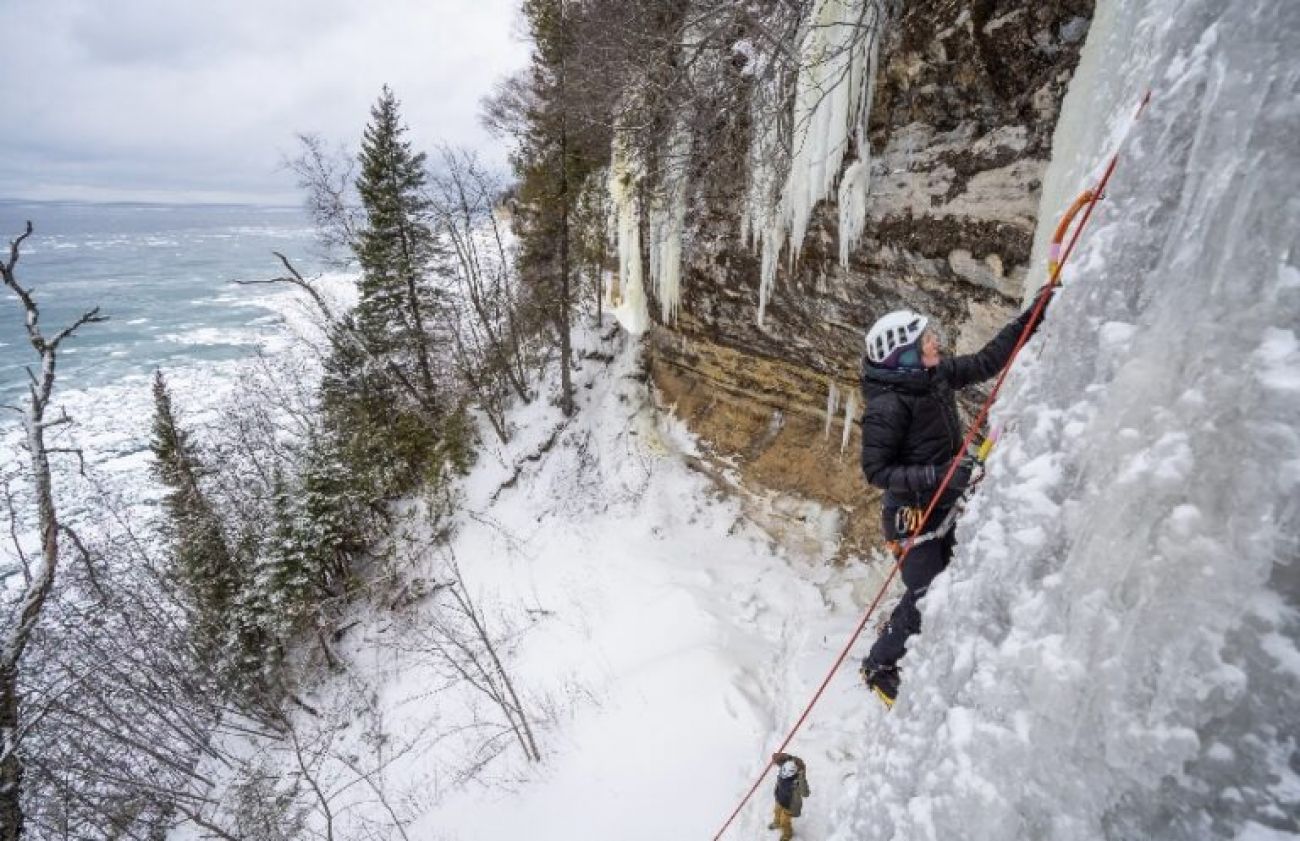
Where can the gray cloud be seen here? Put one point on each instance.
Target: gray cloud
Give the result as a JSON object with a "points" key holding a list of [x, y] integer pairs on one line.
{"points": [[150, 98]]}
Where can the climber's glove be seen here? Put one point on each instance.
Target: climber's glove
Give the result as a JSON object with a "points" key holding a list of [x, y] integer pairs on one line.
{"points": [[963, 475]]}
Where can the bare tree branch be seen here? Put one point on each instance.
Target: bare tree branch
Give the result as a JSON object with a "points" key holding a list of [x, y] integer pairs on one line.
{"points": [[20, 620], [13, 531]]}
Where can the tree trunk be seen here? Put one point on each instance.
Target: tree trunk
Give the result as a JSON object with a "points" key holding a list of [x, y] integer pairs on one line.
{"points": [[28, 608], [11, 769], [413, 301], [422, 339], [566, 350]]}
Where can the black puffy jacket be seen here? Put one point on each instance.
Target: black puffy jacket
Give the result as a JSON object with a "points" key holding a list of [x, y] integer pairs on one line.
{"points": [[910, 429]]}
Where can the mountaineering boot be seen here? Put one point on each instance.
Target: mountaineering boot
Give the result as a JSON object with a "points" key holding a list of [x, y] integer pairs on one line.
{"points": [[883, 680]]}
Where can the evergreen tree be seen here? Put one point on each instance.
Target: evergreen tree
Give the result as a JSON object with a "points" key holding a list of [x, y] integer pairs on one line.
{"points": [[375, 433], [561, 143], [202, 559], [396, 246], [383, 429], [305, 559]]}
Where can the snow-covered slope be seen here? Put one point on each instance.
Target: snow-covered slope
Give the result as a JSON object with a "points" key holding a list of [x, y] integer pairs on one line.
{"points": [[657, 638], [667, 632], [1114, 652]]}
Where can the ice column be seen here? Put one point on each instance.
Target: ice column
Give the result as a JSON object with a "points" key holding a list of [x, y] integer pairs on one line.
{"points": [[629, 305], [853, 203], [850, 411], [832, 406]]}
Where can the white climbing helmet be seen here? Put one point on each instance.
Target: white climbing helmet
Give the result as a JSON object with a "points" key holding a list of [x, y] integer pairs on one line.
{"points": [[788, 769], [891, 332]]}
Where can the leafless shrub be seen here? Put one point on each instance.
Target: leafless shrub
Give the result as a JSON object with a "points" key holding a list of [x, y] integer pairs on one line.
{"points": [[327, 178], [482, 316]]}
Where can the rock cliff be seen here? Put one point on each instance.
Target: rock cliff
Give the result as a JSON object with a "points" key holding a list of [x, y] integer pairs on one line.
{"points": [[965, 102]]}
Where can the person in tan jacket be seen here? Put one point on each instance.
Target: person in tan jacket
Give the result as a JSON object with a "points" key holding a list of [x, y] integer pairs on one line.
{"points": [[791, 789]]}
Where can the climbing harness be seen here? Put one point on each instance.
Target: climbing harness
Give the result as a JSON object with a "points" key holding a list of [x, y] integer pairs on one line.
{"points": [[906, 519], [910, 519], [1054, 277]]}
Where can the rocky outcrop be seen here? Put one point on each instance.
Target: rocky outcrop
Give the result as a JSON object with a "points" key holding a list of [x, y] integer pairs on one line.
{"points": [[966, 100]]}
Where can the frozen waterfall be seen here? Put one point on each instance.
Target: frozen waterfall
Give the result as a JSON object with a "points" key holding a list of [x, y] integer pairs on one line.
{"points": [[1113, 653]]}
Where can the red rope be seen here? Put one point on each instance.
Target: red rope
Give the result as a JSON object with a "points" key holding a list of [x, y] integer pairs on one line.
{"points": [[1097, 193]]}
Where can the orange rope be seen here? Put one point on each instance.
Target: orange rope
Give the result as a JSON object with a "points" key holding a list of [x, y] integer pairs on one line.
{"points": [[1088, 200]]}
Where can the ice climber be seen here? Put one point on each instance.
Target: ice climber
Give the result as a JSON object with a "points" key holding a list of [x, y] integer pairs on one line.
{"points": [[791, 789], [910, 434]]}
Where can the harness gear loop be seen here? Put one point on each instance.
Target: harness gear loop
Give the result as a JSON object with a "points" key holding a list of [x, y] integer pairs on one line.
{"points": [[906, 519]]}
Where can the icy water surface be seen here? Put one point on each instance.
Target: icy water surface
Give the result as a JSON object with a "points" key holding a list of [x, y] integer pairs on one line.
{"points": [[162, 273]]}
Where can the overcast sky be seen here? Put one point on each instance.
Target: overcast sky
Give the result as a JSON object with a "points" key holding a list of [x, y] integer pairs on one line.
{"points": [[201, 101]]}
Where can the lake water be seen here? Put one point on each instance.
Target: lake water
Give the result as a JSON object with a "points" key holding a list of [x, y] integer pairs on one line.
{"points": [[164, 276]]}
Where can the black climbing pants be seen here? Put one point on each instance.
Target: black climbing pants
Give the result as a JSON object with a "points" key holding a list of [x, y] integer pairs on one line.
{"points": [[922, 564]]}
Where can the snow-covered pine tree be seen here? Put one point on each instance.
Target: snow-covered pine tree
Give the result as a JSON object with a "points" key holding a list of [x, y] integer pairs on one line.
{"points": [[381, 441], [320, 528], [396, 247], [201, 558], [387, 404], [297, 568]]}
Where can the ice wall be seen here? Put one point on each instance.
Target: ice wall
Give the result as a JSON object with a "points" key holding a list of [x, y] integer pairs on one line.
{"points": [[1113, 653]]}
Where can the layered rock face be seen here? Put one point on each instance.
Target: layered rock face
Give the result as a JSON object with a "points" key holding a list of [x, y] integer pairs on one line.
{"points": [[966, 101]]}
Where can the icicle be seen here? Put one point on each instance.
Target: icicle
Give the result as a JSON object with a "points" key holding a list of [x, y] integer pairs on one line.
{"points": [[857, 179], [667, 219], [627, 302], [832, 406], [831, 97], [772, 240], [850, 413], [763, 230], [833, 92], [853, 207]]}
